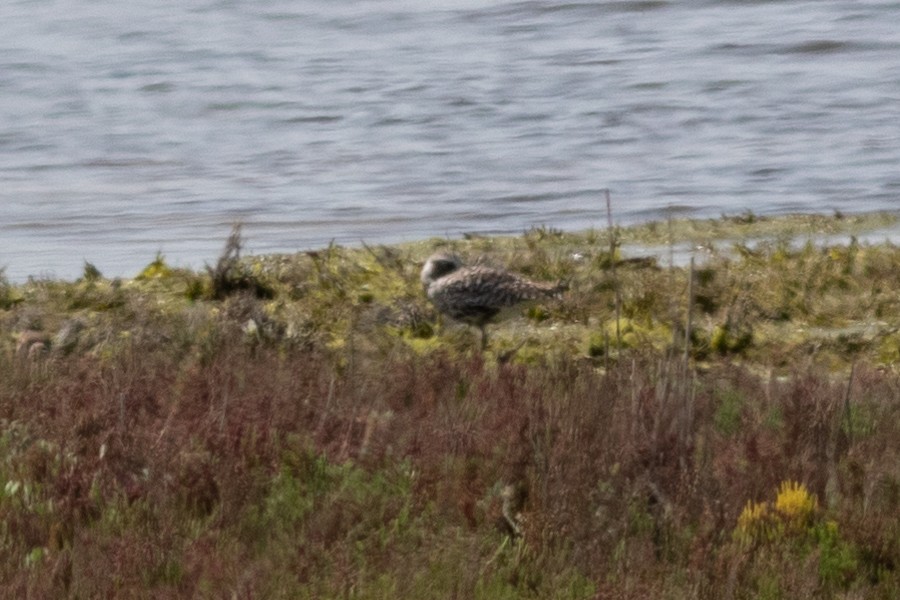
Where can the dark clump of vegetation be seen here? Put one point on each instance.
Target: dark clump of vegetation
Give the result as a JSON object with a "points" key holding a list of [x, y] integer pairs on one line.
{"points": [[332, 439], [230, 275]]}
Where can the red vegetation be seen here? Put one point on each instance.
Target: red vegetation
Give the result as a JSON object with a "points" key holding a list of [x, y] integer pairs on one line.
{"points": [[255, 471]]}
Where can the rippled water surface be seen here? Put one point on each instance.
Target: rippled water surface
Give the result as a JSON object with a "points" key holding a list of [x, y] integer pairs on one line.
{"points": [[131, 128]]}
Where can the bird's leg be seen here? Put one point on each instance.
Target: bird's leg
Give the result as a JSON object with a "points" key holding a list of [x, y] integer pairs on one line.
{"points": [[484, 336]]}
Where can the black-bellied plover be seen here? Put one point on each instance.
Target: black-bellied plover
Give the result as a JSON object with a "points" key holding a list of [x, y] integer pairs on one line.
{"points": [[478, 294]]}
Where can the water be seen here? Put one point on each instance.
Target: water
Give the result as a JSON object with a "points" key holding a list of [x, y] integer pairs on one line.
{"points": [[132, 128]]}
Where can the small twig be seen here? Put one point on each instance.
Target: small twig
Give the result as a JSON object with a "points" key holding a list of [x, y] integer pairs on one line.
{"points": [[122, 411], [606, 350], [320, 426], [847, 418], [223, 418]]}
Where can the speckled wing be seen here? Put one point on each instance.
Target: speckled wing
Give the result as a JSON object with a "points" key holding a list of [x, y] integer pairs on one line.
{"points": [[476, 294]]}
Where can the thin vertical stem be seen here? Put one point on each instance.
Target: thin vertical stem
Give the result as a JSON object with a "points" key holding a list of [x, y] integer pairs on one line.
{"points": [[847, 418], [689, 318], [612, 267]]}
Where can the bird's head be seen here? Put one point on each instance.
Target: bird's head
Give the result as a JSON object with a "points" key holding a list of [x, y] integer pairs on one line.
{"points": [[438, 265]]}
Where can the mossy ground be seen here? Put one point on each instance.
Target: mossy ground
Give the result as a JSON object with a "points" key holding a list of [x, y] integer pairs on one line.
{"points": [[305, 425]]}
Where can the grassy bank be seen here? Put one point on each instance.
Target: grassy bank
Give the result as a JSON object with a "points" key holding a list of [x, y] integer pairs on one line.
{"points": [[304, 426]]}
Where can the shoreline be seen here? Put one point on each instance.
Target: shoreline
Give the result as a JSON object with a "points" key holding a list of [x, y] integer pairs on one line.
{"points": [[732, 254], [635, 237]]}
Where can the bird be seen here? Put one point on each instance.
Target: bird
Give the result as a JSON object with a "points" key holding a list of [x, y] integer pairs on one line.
{"points": [[478, 294]]}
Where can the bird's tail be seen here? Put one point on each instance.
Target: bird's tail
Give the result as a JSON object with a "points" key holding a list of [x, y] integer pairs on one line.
{"points": [[561, 286], [556, 290]]}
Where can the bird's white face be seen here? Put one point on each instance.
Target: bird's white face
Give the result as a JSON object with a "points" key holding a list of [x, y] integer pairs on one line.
{"points": [[437, 266]]}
